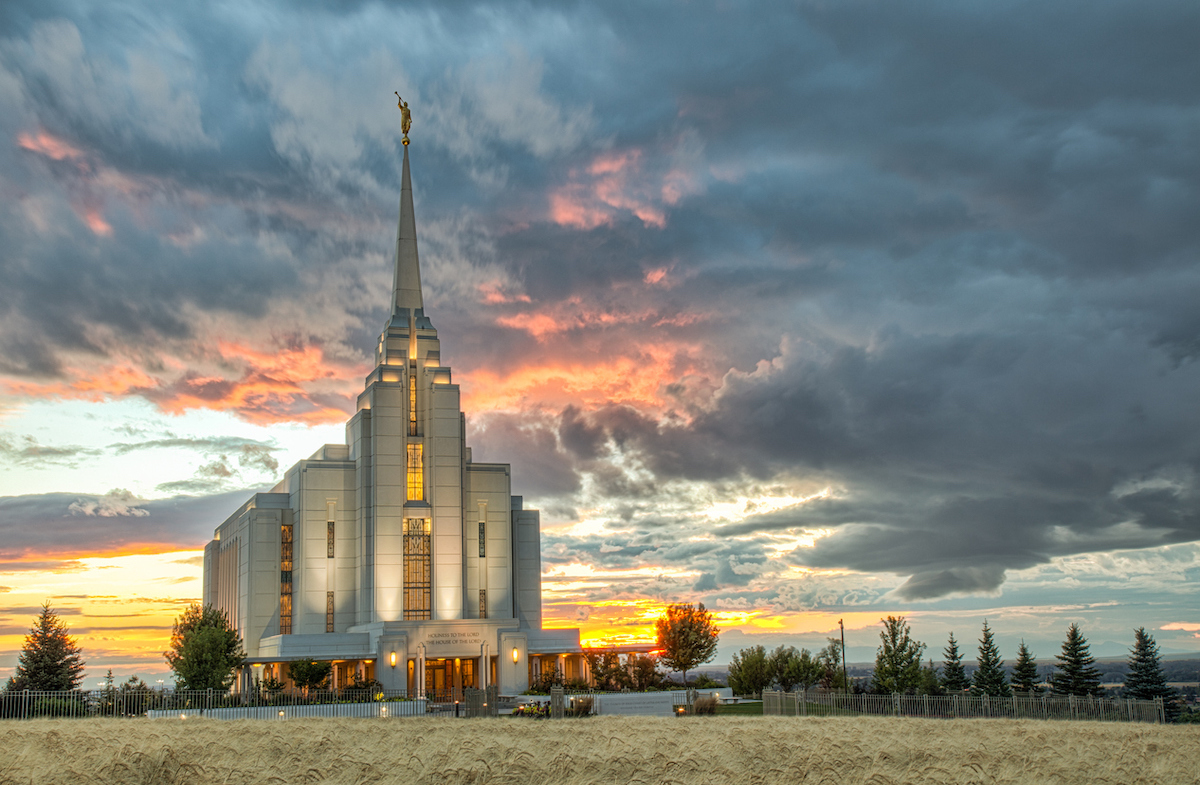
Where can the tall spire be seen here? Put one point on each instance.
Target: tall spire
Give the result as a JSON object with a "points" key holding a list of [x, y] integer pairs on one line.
{"points": [[407, 288]]}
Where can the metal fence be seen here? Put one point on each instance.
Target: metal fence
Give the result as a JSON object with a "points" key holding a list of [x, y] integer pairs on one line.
{"points": [[31, 704], [1044, 707]]}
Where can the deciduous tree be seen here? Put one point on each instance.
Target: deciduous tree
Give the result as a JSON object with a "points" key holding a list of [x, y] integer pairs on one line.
{"points": [[750, 671], [686, 636], [989, 678], [954, 676], [1025, 673], [310, 674], [1145, 679], [898, 658], [791, 668], [50, 658], [205, 651], [833, 675], [1076, 673]]}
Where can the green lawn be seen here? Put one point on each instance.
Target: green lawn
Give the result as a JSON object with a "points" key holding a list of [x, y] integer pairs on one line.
{"points": [[747, 709]]}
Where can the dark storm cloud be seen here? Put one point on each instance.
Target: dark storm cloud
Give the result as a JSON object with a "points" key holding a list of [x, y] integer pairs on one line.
{"points": [[973, 225], [83, 525]]}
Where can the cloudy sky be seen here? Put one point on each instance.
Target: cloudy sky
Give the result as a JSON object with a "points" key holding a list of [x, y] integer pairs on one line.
{"points": [[804, 310]]}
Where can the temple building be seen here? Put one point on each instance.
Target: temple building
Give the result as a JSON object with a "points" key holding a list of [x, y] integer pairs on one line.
{"points": [[395, 555]]}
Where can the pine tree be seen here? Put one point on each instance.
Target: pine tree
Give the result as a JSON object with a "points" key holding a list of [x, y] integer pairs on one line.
{"points": [[931, 684], [989, 678], [1025, 672], [1146, 680], [1076, 673], [50, 658], [954, 677], [898, 659]]}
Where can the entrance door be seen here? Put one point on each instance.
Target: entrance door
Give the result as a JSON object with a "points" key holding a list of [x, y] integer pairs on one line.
{"points": [[445, 679]]}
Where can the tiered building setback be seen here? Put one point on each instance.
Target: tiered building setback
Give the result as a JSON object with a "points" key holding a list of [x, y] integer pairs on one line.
{"points": [[395, 556]]}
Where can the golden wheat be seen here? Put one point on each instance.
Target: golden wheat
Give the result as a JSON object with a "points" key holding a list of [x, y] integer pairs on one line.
{"points": [[649, 750]]}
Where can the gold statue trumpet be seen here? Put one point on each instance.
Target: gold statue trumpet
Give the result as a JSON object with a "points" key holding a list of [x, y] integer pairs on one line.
{"points": [[405, 116]]}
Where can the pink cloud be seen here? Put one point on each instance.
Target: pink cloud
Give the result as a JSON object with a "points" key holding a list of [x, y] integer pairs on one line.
{"points": [[48, 145], [612, 183]]}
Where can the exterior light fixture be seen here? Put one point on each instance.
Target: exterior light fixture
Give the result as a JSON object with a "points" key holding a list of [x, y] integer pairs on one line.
{"points": [[516, 654], [281, 714], [392, 659]]}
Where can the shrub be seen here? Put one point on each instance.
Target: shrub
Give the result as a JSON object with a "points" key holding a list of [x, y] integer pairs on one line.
{"points": [[705, 705], [580, 707]]}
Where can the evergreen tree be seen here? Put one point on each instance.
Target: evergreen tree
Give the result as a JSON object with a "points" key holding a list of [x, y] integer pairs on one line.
{"points": [[50, 658], [1145, 679], [205, 651], [989, 678], [898, 659], [954, 677], [931, 684], [1076, 673], [1025, 672]]}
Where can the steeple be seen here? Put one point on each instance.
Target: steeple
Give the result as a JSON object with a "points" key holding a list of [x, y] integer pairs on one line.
{"points": [[407, 287]]}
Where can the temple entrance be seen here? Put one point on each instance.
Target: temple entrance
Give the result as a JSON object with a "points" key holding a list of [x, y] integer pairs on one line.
{"points": [[445, 679]]}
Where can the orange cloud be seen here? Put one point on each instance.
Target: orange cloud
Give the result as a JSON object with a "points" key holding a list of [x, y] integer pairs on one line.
{"points": [[622, 621], [289, 385], [635, 380]]}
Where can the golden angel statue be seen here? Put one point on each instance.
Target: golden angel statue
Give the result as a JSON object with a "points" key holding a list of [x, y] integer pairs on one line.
{"points": [[405, 116]]}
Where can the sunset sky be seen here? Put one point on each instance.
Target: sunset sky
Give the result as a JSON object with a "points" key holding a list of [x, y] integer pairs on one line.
{"points": [[806, 311]]}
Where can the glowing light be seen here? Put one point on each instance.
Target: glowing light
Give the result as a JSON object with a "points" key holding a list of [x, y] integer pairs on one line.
{"points": [[516, 654], [392, 659]]}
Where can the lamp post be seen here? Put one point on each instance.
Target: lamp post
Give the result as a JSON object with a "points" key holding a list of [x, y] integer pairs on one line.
{"points": [[845, 678]]}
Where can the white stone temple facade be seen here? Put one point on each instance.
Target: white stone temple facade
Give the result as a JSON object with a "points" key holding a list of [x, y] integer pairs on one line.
{"points": [[394, 556]]}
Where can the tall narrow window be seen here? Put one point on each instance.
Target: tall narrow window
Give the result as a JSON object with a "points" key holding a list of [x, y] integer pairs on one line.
{"points": [[482, 529], [328, 611], [416, 472], [483, 603], [412, 400], [417, 573], [330, 517], [285, 579]]}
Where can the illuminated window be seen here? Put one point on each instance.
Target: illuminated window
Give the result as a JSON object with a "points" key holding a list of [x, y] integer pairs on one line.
{"points": [[329, 539], [416, 472], [483, 603], [417, 571], [285, 579], [412, 400], [328, 611]]}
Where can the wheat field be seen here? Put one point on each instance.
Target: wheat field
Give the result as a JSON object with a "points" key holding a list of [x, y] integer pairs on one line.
{"points": [[650, 750]]}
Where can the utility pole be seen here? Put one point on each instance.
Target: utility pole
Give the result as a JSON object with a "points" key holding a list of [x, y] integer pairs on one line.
{"points": [[845, 678]]}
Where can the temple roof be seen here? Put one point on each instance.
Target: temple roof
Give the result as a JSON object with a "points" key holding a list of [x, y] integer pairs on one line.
{"points": [[407, 287]]}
